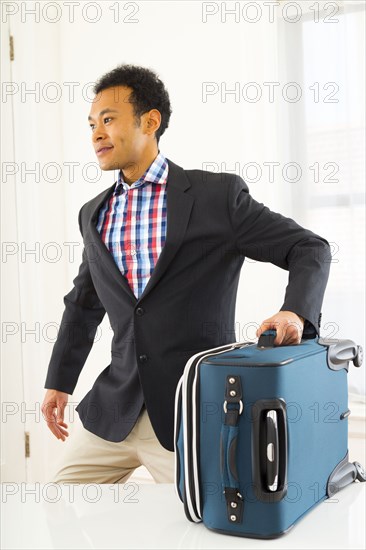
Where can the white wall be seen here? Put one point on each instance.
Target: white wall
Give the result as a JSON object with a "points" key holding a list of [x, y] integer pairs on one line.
{"points": [[171, 38], [13, 462]]}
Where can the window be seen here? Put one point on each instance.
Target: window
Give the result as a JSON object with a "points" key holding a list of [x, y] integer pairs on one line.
{"points": [[327, 138]]}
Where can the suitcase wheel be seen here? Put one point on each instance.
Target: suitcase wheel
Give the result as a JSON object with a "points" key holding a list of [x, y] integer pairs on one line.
{"points": [[357, 361], [360, 472]]}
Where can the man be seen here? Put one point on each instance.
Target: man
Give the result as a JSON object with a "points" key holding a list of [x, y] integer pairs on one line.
{"points": [[163, 250]]}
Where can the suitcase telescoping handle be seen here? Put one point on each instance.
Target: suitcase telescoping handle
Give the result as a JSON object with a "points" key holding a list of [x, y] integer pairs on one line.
{"points": [[269, 449]]}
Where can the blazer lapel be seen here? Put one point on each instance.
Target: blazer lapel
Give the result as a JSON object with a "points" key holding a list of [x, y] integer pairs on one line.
{"points": [[179, 206]]}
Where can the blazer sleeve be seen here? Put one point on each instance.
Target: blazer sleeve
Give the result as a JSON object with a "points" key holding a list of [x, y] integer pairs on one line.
{"points": [[268, 236], [82, 314]]}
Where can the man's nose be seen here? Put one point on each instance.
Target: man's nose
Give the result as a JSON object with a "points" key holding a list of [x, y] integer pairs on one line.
{"points": [[98, 134]]}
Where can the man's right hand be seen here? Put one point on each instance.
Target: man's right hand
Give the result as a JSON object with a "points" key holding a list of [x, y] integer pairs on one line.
{"points": [[55, 401]]}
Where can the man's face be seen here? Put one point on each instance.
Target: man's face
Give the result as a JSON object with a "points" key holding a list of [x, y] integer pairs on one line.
{"points": [[114, 130]]}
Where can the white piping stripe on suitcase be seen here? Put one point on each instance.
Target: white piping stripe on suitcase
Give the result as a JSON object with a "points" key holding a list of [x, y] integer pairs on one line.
{"points": [[213, 351], [176, 428], [185, 438], [194, 440]]}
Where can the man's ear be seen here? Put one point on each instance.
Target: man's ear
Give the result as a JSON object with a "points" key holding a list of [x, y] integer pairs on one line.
{"points": [[153, 119]]}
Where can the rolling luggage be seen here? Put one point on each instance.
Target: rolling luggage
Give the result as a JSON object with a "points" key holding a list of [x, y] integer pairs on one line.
{"points": [[261, 433]]}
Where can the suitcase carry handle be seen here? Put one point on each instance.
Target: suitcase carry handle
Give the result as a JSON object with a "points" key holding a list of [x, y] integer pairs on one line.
{"points": [[267, 338], [233, 407]]}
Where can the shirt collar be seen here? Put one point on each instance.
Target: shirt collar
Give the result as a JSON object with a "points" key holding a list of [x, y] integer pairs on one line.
{"points": [[157, 172]]}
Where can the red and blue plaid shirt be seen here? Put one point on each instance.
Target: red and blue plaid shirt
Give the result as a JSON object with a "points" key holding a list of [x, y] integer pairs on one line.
{"points": [[132, 223]]}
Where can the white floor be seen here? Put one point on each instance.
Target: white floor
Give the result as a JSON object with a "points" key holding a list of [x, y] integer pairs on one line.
{"points": [[143, 514], [147, 516]]}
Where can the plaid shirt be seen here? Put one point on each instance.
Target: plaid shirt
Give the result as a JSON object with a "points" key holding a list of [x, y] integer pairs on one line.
{"points": [[132, 223]]}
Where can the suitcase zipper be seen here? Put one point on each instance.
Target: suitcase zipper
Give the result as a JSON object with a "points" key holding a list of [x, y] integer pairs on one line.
{"points": [[276, 364]]}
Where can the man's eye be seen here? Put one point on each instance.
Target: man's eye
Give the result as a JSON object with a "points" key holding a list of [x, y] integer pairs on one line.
{"points": [[92, 125]]}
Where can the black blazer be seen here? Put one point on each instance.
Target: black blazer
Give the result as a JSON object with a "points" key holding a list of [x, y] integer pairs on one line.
{"points": [[188, 304]]}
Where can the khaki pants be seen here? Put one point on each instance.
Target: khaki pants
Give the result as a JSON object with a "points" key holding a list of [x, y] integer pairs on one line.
{"points": [[90, 459]]}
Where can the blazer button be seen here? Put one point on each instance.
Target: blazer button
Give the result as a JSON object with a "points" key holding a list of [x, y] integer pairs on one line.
{"points": [[143, 358], [140, 311]]}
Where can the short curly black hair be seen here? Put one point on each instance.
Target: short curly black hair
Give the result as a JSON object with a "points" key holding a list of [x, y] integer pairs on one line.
{"points": [[148, 92]]}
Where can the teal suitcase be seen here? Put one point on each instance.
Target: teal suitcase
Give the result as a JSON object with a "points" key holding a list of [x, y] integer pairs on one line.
{"points": [[261, 433]]}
